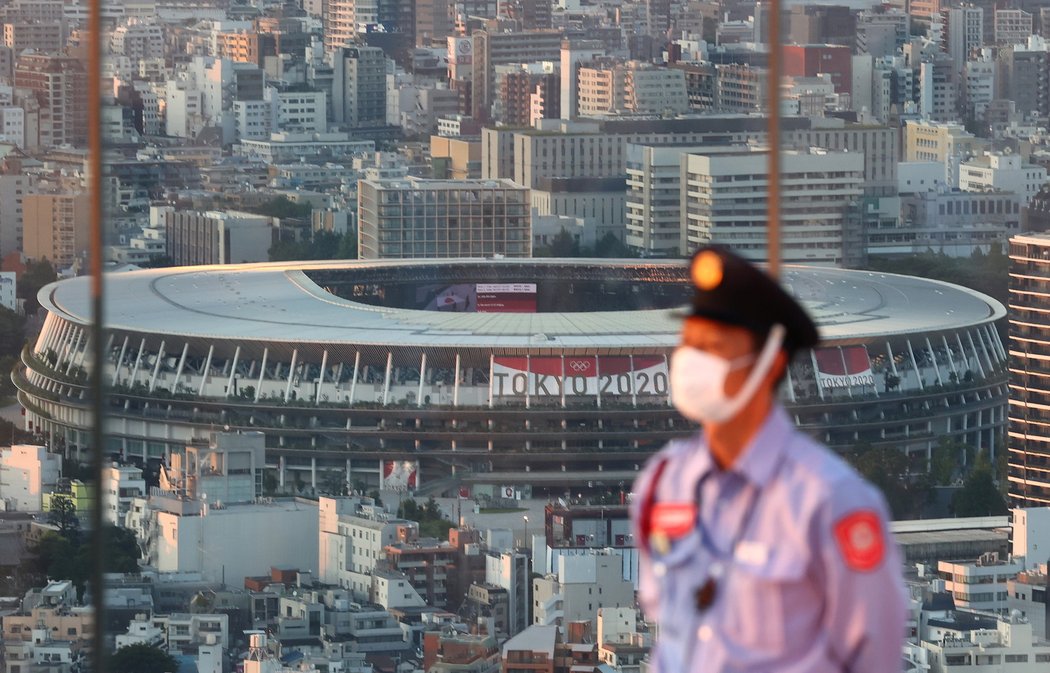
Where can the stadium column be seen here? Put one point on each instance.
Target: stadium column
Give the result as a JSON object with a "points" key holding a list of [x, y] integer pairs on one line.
{"points": [[634, 389], [182, 363], [72, 352], [915, 364], [845, 369], [976, 354], [280, 471], [156, 367], [993, 336], [936, 365], [109, 347], [386, 379], [138, 361], [353, 383], [320, 381], [455, 388], [951, 359], [962, 351], [291, 374], [816, 372], [262, 373], [791, 384], [119, 362], [233, 371], [422, 378], [492, 364], [313, 473], [207, 368]]}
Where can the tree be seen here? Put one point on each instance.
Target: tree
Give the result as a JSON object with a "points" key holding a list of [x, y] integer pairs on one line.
{"points": [[142, 658], [610, 246], [281, 207], [63, 514], [38, 273], [564, 244], [946, 460], [979, 496], [12, 333], [887, 468]]}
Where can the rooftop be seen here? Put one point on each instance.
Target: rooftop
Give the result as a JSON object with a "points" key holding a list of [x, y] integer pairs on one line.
{"points": [[278, 303]]}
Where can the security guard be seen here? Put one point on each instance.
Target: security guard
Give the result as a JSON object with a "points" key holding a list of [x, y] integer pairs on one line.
{"points": [[762, 551]]}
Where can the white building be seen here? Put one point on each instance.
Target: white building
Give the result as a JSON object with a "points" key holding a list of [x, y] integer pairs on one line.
{"points": [[724, 195], [120, 485], [352, 534], [654, 190], [26, 473], [979, 85], [972, 643], [981, 584], [1031, 535], [582, 586], [286, 147], [509, 570], [208, 518], [13, 125], [138, 39], [1003, 172], [965, 34], [8, 294], [1013, 26]]}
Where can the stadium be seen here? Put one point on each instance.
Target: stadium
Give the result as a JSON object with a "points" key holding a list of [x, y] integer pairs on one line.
{"points": [[527, 375]]}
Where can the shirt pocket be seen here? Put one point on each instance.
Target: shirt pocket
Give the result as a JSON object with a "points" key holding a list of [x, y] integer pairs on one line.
{"points": [[760, 601]]}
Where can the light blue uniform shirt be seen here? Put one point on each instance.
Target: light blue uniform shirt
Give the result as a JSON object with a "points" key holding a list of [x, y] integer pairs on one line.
{"points": [[801, 591]]}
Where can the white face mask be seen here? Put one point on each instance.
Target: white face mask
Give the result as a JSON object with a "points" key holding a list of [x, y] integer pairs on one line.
{"points": [[698, 380]]}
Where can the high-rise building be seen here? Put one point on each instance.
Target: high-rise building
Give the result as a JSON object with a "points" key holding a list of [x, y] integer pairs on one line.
{"points": [[724, 196], [359, 86], [1028, 440], [964, 33], [1023, 76], [59, 84], [442, 218], [494, 48], [658, 17], [433, 21]]}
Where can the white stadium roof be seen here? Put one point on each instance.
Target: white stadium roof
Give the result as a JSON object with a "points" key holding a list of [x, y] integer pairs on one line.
{"points": [[277, 302]]}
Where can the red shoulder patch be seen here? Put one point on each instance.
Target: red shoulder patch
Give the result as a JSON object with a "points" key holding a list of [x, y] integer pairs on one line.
{"points": [[860, 539]]}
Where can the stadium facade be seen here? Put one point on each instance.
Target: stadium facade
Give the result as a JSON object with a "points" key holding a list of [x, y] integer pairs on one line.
{"points": [[519, 372]]}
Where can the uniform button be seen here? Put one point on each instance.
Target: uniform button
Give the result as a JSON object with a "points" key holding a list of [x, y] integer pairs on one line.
{"points": [[659, 569], [704, 633]]}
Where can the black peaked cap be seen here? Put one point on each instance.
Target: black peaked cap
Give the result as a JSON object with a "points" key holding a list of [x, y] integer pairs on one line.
{"points": [[732, 290]]}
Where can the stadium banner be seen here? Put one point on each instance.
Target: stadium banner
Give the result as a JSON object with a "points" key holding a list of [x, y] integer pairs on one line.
{"points": [[506, 297], [844, 367], [399, 475], [544, 376]]}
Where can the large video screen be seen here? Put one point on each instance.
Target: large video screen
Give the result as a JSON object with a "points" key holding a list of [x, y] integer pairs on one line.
{"points": [[478, 298]]}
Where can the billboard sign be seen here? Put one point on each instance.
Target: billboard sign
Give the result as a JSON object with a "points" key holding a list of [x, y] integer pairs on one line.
{"points": [[644, 375], [506, 297], [399, 475], [460, 50], [844, 367]]}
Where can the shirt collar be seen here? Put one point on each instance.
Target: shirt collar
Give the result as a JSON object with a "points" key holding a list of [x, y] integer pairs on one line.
{"points": [[760, 457]]}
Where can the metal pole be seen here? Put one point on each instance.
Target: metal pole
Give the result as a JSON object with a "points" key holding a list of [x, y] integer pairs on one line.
{"points": [[773, 118], [94, 175]]}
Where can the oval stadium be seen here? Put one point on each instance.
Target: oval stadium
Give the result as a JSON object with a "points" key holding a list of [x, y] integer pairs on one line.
{"points": [[536, 374]]}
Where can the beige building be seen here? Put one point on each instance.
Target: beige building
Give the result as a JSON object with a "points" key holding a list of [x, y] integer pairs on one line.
{"points": [[26, 473], [582, 586], [633, 87], [456, 158], [413, 218], [48, 633], [55, 227], [937, 141]]}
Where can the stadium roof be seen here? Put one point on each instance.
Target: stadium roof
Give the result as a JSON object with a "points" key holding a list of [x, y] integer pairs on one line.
{"points": [[277, 302]]}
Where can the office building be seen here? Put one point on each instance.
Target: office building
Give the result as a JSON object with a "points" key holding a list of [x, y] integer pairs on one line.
{"points": [[964, 34], [13, 187], [1004, 172], [723, 202], [1023, 77], [811, 60], [416, 218], [491, 49], [121, 484], [981, 584], [1012, 26], [55, 227], [217, 237], [359, 87]]}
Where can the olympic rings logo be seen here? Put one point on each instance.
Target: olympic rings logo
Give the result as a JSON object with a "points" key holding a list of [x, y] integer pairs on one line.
{"points": [[579, 365]]}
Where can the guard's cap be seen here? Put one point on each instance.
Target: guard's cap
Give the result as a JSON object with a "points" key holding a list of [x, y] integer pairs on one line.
{"points": [[730, 289]]}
